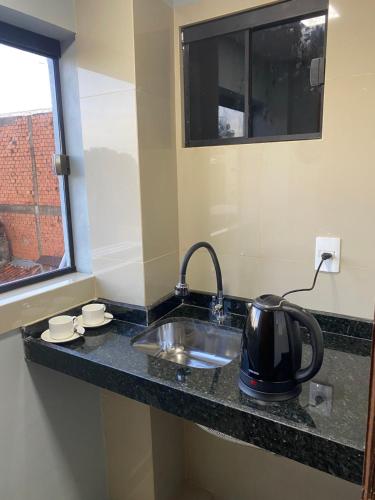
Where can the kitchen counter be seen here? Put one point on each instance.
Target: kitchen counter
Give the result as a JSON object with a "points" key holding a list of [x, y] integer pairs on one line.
{"points": [[328, 435]]}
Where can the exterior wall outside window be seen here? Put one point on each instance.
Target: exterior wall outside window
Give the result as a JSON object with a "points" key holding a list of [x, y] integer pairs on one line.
{"points": [[30, 212]]}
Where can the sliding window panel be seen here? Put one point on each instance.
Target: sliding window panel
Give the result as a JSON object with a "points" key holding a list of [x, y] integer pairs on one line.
{"points": [[286, 91], [216, 79]]}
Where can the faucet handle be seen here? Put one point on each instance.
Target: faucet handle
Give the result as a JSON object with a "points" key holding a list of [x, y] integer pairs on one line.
{"points": [[217, 303], [217, 308], [181, 290]]}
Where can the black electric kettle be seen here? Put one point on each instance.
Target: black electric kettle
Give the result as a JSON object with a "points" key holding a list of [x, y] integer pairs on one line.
{"points": [[272, 349]]}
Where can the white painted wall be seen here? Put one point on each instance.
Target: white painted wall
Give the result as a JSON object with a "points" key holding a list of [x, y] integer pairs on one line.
{"points": [[58, 12], [233, 471], [50, 432], [144, 450]]}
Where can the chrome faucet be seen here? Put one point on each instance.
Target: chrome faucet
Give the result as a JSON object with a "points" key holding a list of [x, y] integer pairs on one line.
{"points": [[182, 289]]}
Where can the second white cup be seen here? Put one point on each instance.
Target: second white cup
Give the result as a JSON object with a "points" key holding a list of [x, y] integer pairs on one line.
{"points": [[93, 314]]}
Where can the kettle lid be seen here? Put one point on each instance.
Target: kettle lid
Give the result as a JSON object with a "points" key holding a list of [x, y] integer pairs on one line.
{"points": [[269, 302]]}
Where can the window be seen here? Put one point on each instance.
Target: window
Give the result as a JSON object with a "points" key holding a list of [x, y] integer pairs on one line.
{"points": [[217, 87], [35, 227], [256, 76]]}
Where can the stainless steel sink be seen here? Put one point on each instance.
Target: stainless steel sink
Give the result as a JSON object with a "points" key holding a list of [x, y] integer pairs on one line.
{"points": [[190, 342]]}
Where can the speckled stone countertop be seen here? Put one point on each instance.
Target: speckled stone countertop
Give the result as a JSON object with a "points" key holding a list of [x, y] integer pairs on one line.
{"points": [[329, 437]]}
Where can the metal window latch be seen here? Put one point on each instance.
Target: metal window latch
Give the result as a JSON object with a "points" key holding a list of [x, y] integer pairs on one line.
{"points": [[317, 71], [60, 164]]}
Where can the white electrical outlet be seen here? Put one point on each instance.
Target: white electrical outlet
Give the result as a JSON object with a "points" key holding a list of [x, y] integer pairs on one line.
{"points": [[330, 245]]}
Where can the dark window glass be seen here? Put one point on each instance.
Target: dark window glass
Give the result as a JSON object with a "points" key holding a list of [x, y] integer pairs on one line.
{"points": [[283, 100], [263, 82], [216, 86]]}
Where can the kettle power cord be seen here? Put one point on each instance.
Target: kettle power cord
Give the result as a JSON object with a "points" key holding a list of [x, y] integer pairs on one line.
{"points": [[325, 256]]}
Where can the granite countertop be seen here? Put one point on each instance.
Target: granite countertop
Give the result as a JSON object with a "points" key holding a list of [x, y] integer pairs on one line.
{"points": [[329, 436]]}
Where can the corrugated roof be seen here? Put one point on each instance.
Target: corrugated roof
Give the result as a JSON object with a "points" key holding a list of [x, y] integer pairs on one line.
{"points": [[10, 272]]}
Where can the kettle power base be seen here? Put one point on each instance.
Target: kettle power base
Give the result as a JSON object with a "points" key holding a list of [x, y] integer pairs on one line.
{"points": [[270, 397]]}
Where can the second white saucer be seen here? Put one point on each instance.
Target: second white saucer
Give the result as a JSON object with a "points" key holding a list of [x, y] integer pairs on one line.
{"points": [[108, 317]]}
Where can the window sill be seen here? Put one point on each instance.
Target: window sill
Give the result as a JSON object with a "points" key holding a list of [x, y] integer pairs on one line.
{"points": [[31, 303]]}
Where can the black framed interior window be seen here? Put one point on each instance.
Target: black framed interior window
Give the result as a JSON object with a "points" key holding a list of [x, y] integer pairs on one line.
{"points": [[256, 76], [35, 224]]}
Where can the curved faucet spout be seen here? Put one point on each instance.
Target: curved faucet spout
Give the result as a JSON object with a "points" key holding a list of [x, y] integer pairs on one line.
{"points": [[182, 289]]}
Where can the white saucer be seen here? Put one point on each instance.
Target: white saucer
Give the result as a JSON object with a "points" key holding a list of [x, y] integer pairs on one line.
{"points": [[108, 317], [46, 336]]}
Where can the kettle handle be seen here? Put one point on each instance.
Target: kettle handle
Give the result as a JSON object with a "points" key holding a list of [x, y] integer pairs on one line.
{"points": [[317, 343]]}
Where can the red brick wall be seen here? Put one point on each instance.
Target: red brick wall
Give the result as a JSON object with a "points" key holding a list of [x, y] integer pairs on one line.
{"points": [[24, 140], [16, 185], [21, 232], [44, 147], [52, 236]]}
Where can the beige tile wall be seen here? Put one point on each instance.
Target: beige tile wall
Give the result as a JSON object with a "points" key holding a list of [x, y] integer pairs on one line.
{"points": [[153, 26], [262, 205], [125, 59], [106, 74]]}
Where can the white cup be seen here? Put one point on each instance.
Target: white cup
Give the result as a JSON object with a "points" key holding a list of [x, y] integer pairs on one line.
{"points": [[61, 327], [93, 314]]}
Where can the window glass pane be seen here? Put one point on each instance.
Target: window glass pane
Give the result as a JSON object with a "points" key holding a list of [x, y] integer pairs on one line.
{"points": [[283, 100], [216, 86], [32, 222]]}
